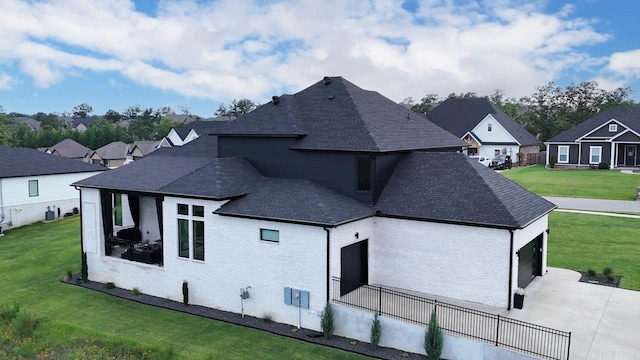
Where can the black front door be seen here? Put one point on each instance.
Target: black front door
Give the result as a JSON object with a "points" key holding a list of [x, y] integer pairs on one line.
{"points": [[529, 262], [354, 268], [630, 155]]}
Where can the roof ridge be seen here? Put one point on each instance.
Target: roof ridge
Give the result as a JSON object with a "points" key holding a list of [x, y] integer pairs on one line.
{"points": [[359, 112], [493, 193]]}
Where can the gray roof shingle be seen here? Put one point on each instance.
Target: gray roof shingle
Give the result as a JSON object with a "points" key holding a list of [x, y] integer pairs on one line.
{"points": [[69, 149], [341, 116], [461, 115], [627, 115], [16, 162], [450, 187]]}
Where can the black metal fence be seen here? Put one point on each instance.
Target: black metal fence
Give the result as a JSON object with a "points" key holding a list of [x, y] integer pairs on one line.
{"points": [[494, 329]]}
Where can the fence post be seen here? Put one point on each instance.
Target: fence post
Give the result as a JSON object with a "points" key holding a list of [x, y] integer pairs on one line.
{"points": [[497, 330], [569, 345], [380, 300]]}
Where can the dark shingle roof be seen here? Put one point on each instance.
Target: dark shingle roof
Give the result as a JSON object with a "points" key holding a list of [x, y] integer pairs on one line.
{"points": [[342, 116], [450, 187], [70, 149], [296, 200], [84, 121], [461, 115], [113, 150], [205, 145], [201, 128], [15, 162], [629, 116]]}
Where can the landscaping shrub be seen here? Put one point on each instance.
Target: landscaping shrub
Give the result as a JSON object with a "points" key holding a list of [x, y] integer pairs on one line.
{"points": [[433, 339], [603, 166], [109, 285], [326, 321], [85, 268], [185, 293], [135, 291], [376, 330], [607, 271], [267, 318], [552, 161], [591, 272]]}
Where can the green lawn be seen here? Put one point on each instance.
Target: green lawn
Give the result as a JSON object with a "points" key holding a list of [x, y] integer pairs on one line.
{"points": [[582, 242], [596, 184], [80, 323]]}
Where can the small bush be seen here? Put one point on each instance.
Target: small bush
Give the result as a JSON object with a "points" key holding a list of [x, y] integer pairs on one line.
{"points": [[69, 274], [9, 312], [591, 272], [611, 278], [603, 166], [109, 285], [267, 318], [433, 339], [135, 291], [376, 330], [24, 326], [185, 293], [552, 161], [326, 321], [607, 271]]}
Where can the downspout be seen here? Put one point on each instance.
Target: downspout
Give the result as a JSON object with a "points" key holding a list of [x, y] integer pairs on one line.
{"points": [[81, 232], [328, 262], [510, 269], [1, 204]]}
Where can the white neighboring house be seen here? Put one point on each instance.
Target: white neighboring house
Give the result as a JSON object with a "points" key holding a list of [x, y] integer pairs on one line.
{"points": [[32, 183]]}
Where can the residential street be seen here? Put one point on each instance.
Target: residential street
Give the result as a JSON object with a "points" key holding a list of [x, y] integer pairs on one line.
{"points": [[595, 204]]}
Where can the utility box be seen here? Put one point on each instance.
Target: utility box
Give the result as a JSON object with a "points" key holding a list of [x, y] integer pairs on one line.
{"points": [[49, 215]]}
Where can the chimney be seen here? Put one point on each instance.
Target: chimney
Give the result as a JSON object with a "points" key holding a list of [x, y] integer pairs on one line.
{"points": [[276, 100], [327, 80]]}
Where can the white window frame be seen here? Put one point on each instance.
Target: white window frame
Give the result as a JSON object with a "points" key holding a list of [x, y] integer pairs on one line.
{"points": [[34, 191], [270, 238], [613, 127], [566, 161], [591, 154], [489, 127], [191, 218]]}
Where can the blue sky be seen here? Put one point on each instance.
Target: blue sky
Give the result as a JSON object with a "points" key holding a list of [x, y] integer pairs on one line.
{"points": [[113, 54]]}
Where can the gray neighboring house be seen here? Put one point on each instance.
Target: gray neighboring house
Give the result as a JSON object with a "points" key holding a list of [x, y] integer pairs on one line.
{"points": [[68, 148], [32, 123], [111, 155], [611, 138], [486, 128], [82, 124], [33, 183]]}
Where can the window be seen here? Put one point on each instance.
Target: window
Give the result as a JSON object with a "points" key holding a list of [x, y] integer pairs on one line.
{"points": [[595, 153], [489, 127], [613, 127], [364, 174], [496, 152], [270, 235], [33, 188], [117, 202], [563, 154], [191, 232]]}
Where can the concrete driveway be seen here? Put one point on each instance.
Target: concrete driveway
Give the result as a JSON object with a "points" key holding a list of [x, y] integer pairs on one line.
{"points": [[604, 322], [595, 204]]}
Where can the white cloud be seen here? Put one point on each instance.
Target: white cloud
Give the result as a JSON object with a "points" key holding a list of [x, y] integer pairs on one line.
{"points": [[227, 49], [626, 63], [5, 82]]}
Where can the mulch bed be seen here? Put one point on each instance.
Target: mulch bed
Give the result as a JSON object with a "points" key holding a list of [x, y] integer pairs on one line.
{"points": [[599, 279], [276, 328]]}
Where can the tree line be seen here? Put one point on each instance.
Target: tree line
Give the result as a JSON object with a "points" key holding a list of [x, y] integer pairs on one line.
{"points": [[550, 110]]}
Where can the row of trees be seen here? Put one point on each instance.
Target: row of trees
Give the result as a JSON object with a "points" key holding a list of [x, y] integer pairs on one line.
{"points": [[551, 110]]}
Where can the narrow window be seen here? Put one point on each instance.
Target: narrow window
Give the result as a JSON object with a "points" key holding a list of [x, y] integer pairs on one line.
{"points": [[270, 235], [33, 188], [183, 209], [489, 127], [563, 154], [183, 238], [198, 240], [364, 174], [117, 199], [595, 153], [613, 127], [198, 210]]}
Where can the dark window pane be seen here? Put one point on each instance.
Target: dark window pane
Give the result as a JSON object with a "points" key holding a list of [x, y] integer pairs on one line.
{"points": [[33, 188], [183, 238], [270, 235], [198, 211], [364, 174], [118, 206], [198, 240], [183, 209]]}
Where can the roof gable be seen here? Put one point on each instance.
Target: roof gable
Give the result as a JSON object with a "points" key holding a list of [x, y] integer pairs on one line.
{"points": [[626, 116], [70, 149]]}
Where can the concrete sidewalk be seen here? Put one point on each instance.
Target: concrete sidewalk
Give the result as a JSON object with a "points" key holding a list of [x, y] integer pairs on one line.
{"points": [[595, 204], [604, 321]]}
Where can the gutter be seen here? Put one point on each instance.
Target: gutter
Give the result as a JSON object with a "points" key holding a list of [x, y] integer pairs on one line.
{"points": [[510, 269]]}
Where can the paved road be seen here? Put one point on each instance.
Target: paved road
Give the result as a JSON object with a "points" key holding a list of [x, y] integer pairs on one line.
{"points": [[595, 204]]}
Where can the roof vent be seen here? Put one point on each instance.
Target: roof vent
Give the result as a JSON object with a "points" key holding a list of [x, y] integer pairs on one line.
{"points": [[327, 80], [332, 97], [276, 100]]}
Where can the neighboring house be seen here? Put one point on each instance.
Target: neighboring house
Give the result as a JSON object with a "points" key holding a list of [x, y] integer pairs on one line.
{"points": [[32, 123], [486, 128], [82, 124], [333, 181], [111, 155], [32, 183], [68, 148], [142, 148], [612, 137], [191, 131]]}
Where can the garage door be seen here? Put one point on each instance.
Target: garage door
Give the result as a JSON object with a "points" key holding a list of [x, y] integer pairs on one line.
{"points": [[353, 266], [529, 262]]}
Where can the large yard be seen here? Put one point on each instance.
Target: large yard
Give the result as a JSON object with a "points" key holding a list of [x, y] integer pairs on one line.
{"points": [[83, 324], [596, 184]]}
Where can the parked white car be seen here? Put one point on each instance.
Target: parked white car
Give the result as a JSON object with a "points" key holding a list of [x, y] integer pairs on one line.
{"points": [[482, 160]]}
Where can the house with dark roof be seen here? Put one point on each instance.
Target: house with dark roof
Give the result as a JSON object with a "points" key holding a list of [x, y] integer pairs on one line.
{"points": [[112, 155], [313, 194], [611, 138], [191, 131], [33, 183], [82, 124], [486, 128], [68, 148]]}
